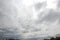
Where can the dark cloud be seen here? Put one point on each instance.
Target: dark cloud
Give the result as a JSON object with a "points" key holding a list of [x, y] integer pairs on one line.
{"points": [[51, 16], [58, 4], [39, 5]]}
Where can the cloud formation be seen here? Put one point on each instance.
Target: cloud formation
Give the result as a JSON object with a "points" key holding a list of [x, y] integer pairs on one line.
{"points": [[29, 18]]}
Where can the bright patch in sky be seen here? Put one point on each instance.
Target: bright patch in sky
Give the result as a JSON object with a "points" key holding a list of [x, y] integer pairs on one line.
{"points": [[51, 4]]}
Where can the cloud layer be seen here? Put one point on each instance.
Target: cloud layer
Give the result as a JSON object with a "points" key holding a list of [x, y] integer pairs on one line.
{"points": [[29, 18]]}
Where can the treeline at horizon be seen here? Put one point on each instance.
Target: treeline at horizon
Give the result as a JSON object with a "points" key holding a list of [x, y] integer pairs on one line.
{"points": [[52, 38]]}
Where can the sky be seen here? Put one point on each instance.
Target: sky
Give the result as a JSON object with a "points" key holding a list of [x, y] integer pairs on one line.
{"points": [[29, 18]]}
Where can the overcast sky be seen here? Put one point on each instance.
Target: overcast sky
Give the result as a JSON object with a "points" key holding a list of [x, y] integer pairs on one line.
{"points": [[29, 18]]}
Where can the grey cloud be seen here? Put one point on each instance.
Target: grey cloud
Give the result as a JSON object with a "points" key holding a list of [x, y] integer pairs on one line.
{"points": [[39, 5], [52, 16], [58, 4], [7, 16]]}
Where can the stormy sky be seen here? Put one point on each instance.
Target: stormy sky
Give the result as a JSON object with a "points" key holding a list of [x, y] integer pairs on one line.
{"points": [[24, 19]]}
